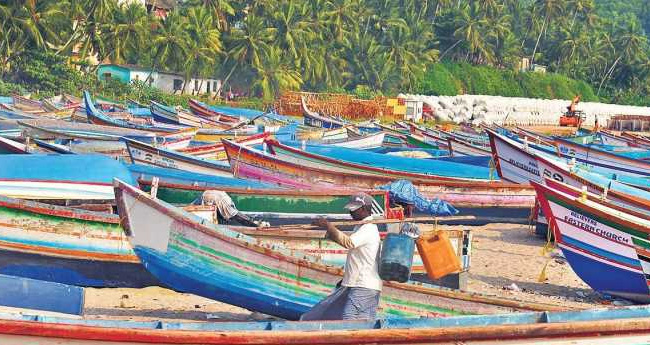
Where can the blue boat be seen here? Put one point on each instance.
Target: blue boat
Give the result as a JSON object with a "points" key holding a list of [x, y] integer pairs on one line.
{"points": [[41, 295], [402, 164], [61, 177]]}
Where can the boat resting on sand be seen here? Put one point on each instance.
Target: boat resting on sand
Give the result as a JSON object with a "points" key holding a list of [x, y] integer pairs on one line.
{"points": [[192, 255], [67, 245], [309, 171], [616, 326], [607, 247]]}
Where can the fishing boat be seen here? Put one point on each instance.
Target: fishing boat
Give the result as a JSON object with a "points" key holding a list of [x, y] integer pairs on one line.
{"points": [[156, 156], [217, 152], [215, 134], [314, 119], [593, 155], [97, 117], [460, 148], [346, 159], [364, 142], [67, 245], [60, 177], [186, 178], [290, 172], [202, 109], [167, 114], [193, 255], [272, 203], [12, 147], [607, 247], [615, 326]]}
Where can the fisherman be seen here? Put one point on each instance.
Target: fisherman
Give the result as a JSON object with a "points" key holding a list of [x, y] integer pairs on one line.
{"points": [[357, 297], [225, 209]]}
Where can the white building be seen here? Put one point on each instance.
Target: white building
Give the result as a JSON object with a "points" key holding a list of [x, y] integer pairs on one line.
{"points": [[168, 82]]}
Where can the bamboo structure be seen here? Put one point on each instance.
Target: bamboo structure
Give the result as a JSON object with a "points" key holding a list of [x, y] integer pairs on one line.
{"points": [[333, 104]]}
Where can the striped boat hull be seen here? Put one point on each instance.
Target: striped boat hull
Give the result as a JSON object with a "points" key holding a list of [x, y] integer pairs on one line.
{"points": [[215, 262], [607, 250]]}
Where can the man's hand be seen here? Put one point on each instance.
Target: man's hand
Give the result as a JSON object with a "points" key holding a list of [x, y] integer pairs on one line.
{"points": [[321, 222]]}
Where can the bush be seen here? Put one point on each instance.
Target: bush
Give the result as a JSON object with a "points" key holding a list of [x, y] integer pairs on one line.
{"points": [[459, 78], [438, 81]]}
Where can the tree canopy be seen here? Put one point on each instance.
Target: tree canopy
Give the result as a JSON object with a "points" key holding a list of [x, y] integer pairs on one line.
{"points": [[263, 47]]}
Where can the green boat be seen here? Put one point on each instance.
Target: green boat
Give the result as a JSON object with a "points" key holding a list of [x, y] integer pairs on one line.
{"points": [[290, 204]]}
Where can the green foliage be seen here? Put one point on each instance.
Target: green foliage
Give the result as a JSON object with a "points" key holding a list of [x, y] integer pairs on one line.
{"points": [[438, 81], [454, 78], [45, 73], [7, 88], [262, 48], [365, 92]]}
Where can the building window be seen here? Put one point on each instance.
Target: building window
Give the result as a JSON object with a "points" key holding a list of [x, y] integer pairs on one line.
{"points": [[214, 86], [196, 85], [207, 87], [178, 84], [107, 75]]}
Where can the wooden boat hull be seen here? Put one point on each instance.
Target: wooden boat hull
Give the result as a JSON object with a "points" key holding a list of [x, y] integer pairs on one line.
{"points": [[201, 109], [459, 148], [370, 141], [603, 248], [67, 245], [146, 154], [217, 152], [215, 262], [274, 203], [313, 119], [628, 325], [268, 168]]}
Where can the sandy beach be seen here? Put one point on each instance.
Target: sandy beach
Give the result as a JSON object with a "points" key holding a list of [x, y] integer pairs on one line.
{"points": [[507, 260]]}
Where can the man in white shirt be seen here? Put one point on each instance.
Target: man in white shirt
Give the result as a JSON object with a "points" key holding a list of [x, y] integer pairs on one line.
{"points": [[358, 296]]}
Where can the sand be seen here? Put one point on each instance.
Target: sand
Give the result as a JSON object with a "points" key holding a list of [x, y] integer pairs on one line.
{"points": [[502, 255]]}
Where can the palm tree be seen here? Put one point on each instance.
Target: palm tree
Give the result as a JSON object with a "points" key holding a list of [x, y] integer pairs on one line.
{"points": [[169, 44], [629, 43], [203, 45], [248, 45], [547, 9], [125, 34], [220, 9], [275, 75], [471, 30]]}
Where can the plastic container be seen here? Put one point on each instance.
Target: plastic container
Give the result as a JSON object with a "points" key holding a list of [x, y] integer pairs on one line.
{"points": [[396, 258], [437, 254]]}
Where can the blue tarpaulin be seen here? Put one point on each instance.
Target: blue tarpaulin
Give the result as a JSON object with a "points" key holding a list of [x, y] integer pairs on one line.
{"points": [[404, 191]]}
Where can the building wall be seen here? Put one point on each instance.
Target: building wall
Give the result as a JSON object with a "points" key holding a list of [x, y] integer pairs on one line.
{"points": [[162, 81], [116, 72], [165, 82]]}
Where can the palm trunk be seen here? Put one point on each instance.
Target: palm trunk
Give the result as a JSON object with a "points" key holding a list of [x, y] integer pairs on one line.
{"points": [[225, 80], [539, 37], [609, 72]]}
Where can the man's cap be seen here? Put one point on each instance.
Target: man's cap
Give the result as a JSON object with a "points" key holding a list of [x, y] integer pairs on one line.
{"points": [[357, 201]]}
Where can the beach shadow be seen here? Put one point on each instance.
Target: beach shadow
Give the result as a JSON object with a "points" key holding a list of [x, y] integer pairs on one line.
{"points": [[197, 315], [546, 289]]}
